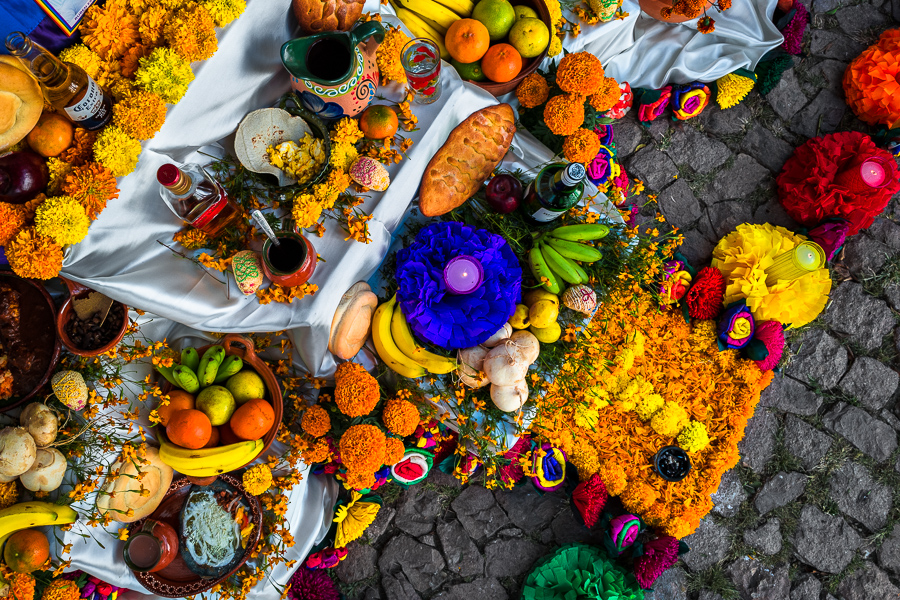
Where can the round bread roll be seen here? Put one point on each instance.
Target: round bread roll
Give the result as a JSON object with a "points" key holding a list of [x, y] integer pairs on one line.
{"points": [[124, 492], [352, 320], [21, 104]]}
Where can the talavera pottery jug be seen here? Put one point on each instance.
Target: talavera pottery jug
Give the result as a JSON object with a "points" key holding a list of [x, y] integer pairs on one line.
{"points": [[335, 73]]}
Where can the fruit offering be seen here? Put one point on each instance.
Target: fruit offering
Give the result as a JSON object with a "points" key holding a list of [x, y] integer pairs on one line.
{"points": [[504, 193], [397, 347], [555, 255]]}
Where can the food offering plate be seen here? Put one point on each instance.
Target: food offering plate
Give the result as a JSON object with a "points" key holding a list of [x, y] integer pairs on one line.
{"points": [[34, 356], [181, 577]]}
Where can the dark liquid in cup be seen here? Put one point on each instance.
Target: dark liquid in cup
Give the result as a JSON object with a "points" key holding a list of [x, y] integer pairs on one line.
{"points": [[288, 256], [143, 551], [328, 59]]}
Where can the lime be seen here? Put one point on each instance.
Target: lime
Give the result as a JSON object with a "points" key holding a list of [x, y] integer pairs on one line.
{"points": [[497, 15], [470, 70]]}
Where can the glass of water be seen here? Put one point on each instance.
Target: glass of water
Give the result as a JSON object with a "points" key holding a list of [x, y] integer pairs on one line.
{"points": [[421, 59]]}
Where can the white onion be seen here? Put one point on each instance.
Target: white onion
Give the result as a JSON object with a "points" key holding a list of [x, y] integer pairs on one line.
{"points": [[498, 337], [506, 364], [510, 397], [528, 343]]}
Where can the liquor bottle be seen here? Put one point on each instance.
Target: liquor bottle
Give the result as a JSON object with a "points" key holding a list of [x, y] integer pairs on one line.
{"points": [[556, 189], [65, 85], [194, 196]]}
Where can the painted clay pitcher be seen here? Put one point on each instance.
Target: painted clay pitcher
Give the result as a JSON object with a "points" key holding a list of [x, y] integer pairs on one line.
{"points": [[335, 73]]}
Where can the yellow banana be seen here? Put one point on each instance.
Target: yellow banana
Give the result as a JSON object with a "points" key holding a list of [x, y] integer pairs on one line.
{"points": [[419, 28], [208, 461], [26, 515], [386, 346], [433, 363], [463, 8], [432, 10], [435, 25]]}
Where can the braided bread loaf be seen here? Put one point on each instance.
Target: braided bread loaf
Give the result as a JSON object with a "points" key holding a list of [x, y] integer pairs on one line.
{"points": [[472, 150], [316, 16]]}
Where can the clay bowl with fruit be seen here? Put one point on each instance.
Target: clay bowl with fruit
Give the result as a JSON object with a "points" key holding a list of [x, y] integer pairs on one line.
{"points": [[90, 337], [242, 347]]}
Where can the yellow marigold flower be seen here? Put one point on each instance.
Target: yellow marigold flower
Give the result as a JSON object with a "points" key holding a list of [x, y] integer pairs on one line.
{"points": [[306, 210], [693, 437], [12, 220], [137, 7], [564, 114], [355, 391], [555, 46], [388, 56], [34, 256], [225, 11], [648, 405], [316, 421], [61, 589], [109, 30], [579, 73], [257, 479], [62, 219], [120, 88], [165, 73], [732, 89], [192, 239], [9, 494], [669, 420], [192, 33], [342, 156], [614, 478], [131, 60], [117, 151], [393, 451], [606, 96], [84, 57], [92, 185], [533, 90], [346, 130], [555, 10], [401, 417], [141, 115], [78, 153], [362, 448], [58, 170], [581, 146], [152, 22]]}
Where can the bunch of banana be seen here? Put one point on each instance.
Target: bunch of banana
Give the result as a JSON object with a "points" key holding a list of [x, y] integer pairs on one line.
{"points": [[554, 254], [431, 18], [26, 515], [194, 372], [396, 346], [208, 461]]}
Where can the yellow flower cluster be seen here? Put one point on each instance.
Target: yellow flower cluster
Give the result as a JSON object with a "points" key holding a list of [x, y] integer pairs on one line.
{"points": [[140, 115], [669, 420], [388, 56], [191, 239], [693, 437], [286, 295], [191, 32], [225, 11], [257, 479], [166, 73], [116, 150], [62, 219], [84, 57]]}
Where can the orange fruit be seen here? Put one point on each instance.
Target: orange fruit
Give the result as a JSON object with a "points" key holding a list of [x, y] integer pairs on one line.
{"points": [[178, 400], [252, 420], [378, 122], [26, 551], [189, 428], [214, 438], [501, 63], [467, 40], [52, 134], [226, 435]]}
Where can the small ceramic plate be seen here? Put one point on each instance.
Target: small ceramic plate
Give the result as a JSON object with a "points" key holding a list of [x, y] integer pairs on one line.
{"points": [[178, 580]]}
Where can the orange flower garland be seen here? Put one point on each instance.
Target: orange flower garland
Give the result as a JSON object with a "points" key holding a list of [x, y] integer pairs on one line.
{"points": [[400, 416], [356, 392], [532, 91], [579, 73], [564, 114], [872, 82], [582, 146], [316, 421], [362, 449], [92, 185]]}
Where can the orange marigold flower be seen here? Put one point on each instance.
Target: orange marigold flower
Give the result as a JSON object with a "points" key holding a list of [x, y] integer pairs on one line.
{"points": [[706, 25], [12, 220], [724, 4], [22, 586], [393, 451], [582, 146], [192, 239], [316, 421], [82, 147], [362, 448], [130, 61], [192, 33], [638, 497], [9, 494], [401, 417], [614, 479], [606, 96], [579, 73], [359, 481], [533, 90], [564, 114], [92, 185], [355, 391], [34, 256], [109, 30], [140, 114], [319, 452], [152, 22], [61, 589]]}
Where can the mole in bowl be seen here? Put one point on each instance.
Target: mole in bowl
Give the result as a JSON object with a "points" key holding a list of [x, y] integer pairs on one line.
{"points": [[95, 332], [215, 525]]}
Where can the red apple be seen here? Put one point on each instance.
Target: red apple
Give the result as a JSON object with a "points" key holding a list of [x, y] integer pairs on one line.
{"points": [[504, 193], [23, 175]]}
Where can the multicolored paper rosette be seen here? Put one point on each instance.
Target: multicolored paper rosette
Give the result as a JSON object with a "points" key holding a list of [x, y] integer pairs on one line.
{"points": [[872, 82], [413, 468], [457, 321], [809, 188], [743, 256], [549, 467], [651, 103], [583, 572], [689, 100]]}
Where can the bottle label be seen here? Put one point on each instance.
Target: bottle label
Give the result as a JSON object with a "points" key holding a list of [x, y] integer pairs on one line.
{"points": [[93, 106], [545, 215], [210, 213]]}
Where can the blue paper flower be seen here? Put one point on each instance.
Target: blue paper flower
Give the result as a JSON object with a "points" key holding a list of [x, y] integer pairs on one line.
{"points": [[444, 319], [322, 109], [549, 465]]}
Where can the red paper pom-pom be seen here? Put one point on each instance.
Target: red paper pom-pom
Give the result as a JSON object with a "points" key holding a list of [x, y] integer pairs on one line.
{"points": [[809, 185], [513, 473], [659, 555], [770, 333], [590, 497], [704, 299]]}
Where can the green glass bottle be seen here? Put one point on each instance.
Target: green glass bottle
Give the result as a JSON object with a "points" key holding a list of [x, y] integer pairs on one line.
{"points": [[556, 189]]}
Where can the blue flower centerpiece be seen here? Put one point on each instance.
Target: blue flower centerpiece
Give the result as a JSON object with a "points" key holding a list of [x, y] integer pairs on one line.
{"points": [[457, 321]]}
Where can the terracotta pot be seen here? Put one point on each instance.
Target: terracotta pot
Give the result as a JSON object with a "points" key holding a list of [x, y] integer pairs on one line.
{"points": [[306, 261], [652, 8], [67, 311], [158, 536]]}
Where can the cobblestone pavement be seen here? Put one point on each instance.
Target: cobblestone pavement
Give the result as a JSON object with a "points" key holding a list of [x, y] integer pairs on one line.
{"points": [[812, 512]]}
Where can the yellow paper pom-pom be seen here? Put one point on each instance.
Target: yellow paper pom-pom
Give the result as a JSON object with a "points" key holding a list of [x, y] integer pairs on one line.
{"points": [[117, 151], [693, 437], [62, 219], [732, 89], [669, 420]]}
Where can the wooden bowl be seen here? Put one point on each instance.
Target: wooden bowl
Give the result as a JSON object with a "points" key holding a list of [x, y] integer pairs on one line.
{"points": [[529, 65], [236, 344], [176, 580], [39, 313], [67, 311]]}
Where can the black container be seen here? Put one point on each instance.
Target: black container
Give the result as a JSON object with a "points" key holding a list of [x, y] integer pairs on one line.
{"points": [[671, 463]]}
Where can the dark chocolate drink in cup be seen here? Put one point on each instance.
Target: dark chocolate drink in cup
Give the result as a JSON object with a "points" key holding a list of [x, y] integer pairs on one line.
{"points": [[287, 256]]}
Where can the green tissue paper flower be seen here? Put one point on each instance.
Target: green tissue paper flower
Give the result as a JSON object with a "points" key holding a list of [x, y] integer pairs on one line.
{"points": [[580, 572]]}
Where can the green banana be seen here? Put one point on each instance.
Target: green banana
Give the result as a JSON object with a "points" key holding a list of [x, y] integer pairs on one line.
{"points": [[574, 250], [581, 272], [230, 366], [581, 233], [167, 373], [541, 271], [561, 265], [190, 359], [209, 365], [186, 379]]}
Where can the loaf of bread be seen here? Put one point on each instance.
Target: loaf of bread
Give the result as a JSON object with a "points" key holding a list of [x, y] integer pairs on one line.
{"points": [[316, 16], [473, 149], [352, 321], [21, 102], [124, 491]]}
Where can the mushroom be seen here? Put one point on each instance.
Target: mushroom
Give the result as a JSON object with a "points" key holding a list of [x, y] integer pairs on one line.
{"points": [[46, 474], [17, 451], [506, 364], [510, 397], [41, 422], [498, 337]]}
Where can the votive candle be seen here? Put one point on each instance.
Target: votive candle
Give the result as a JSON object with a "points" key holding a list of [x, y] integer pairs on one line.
{"points": [[805, 258], [872, 173], [463, 274]]}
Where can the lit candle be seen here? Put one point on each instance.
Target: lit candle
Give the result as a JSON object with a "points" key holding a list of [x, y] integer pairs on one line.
{"points": [[463, 274], [794, 264], [872, 173]]}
